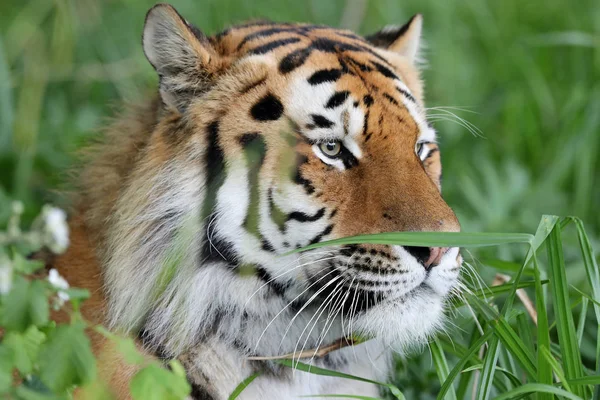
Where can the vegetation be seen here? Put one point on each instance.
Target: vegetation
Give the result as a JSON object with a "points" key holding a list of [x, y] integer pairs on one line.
{"points": [[525, 76]]}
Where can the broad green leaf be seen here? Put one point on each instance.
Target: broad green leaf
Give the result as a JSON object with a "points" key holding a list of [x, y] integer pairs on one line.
{"points": [[243, 385], [6, 366], [156, 383], [66, 359], [441, 365], [567, 335], [125, 346], [26, 304], [536, 388], [26, 393], [25, 266], [326, 372]]}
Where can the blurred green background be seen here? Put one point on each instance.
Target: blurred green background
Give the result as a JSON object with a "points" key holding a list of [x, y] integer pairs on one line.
{"points": [[526, 74]]}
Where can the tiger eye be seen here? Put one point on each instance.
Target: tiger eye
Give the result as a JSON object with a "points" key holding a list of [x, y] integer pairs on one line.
{"points": [[331, 149]]}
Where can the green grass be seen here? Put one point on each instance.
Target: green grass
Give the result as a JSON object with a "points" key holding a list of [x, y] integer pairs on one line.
{"points": [[526, 74]]}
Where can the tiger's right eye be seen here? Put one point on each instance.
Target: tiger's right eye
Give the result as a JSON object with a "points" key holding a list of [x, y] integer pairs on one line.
{"points": [[331, 149]]}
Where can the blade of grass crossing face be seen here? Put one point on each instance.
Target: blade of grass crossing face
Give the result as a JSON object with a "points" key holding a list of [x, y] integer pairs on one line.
{"points": [[567, 336], [427, 239], [441, 365], [461, 363], [543, 333]]}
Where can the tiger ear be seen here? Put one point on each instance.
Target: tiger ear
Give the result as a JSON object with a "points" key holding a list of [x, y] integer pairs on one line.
{"points": [[404, 40], [179, 52]]}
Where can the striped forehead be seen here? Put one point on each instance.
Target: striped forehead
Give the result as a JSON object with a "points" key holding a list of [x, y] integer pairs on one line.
{"points": [[312, 59]]}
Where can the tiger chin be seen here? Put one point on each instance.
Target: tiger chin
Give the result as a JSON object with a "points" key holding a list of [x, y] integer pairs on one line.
{"points": [[263, 139]]}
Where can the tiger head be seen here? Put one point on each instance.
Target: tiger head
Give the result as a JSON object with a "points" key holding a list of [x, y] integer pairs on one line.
{"points": [[271, 137]]}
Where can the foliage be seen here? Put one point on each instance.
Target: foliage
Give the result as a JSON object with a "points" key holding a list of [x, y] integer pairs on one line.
{"points": [[41, 359]]}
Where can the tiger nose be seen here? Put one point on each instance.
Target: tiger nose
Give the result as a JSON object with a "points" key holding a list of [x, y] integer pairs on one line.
{"points": [[428, 256]]}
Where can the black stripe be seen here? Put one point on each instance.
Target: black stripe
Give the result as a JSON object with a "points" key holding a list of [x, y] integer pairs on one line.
{"points": [[368, 100], [199, 393], [263, 33], [320, 236], [337, 99], [408, 95], [277, 287], [321, 122], [385, 71], [215, 248], [325, 75], [253, 85], [294, 60], [390, 99], [303, 217], [215, 168], [265, 48], [366, 123]]}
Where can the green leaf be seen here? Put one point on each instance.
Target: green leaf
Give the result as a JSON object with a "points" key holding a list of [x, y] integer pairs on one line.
{"points": [[26, 304], [27, 393], [427, 239], [441, 365], [126, 346], [243, 385], [326, 372], [586, 380], [536, 388], [565, 326], [156, 383], [25, 266], [6, 366], [66, 359], [545, 351]]}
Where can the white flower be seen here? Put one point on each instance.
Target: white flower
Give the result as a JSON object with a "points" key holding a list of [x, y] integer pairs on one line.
{"points": [[56, 280], [55, 225], [59, 283], [5, 275]]}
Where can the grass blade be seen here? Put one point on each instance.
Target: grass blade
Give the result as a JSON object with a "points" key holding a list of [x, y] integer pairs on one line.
{"points": [[461, 363], [555, 366], [593, 274], [243, 385], [543, 333], [567, 336], [506, 334], [537, 388], [327, 372], [441, 365], [427, 239]]}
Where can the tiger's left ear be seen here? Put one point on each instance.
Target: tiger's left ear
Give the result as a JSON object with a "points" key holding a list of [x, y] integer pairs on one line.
{"points": [[404, 40]]}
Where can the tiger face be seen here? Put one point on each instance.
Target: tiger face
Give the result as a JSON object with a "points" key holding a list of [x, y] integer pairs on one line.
{"points": [[296, 134]]}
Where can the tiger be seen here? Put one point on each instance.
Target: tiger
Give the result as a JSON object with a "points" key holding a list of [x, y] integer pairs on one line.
{"points": [[265, 138]]}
